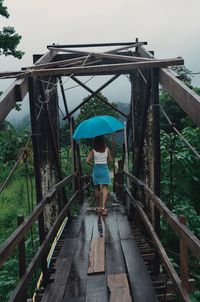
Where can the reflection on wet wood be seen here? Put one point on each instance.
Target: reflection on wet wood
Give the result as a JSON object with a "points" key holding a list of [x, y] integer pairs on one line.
{"points": [[119, 288], [96, 289]]}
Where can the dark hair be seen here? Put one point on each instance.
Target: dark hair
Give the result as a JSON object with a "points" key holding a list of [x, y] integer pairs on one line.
{"points": [[99, 144]]}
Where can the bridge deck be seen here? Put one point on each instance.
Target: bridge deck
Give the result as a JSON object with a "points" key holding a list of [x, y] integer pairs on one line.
{"points": [[98, 260]]}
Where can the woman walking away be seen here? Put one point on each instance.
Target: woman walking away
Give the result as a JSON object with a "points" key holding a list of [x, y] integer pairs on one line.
{"points": [[100, 154]]}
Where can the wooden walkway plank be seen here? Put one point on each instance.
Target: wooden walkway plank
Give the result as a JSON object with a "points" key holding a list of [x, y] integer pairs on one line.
{"points": [[123, 226], [97, 256], [119, 288], [96, 289], [114, 257], [140, 282], [77, 280]]}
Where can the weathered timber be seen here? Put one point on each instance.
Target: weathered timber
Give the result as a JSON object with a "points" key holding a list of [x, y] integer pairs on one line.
{"points": [[76, 283], [119, 288], [166, 261], [18, 89], [16, 237], [94, 93], [11, 95], [96, 288], [22, 257], [192, 241], [187, 99], [68, 259], [96, 44], [114, 257], [156, 157], [140, 282], [57, 63], [184, 259], [41, 251], [97, 256], [106, 69]]}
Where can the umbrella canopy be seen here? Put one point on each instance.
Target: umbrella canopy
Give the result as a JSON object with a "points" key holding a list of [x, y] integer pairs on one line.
{"points": [[98, 125]]}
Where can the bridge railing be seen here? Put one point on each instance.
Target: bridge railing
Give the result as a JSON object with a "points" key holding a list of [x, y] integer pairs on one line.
{"points": [[187, 239], [18, 236]]}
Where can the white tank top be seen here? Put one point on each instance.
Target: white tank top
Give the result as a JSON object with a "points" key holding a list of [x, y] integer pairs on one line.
{"points": [[101, 157]]}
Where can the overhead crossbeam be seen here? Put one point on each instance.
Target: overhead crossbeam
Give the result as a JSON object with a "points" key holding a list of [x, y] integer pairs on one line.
{"points": [[186, 98], [106, 69], [96, 44], [18, 89], [95, 93]]}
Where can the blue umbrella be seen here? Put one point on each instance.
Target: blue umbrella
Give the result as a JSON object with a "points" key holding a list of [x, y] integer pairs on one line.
{"points": [[98, 125]]}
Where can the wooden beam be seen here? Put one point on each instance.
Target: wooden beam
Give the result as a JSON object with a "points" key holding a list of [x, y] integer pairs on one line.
{"points": [[9, 245], [106, 69], [18, 89], [121, 57], [186, 98], [96, 94], [166, 261], [192, 241], [95, 44], [58, 63]]}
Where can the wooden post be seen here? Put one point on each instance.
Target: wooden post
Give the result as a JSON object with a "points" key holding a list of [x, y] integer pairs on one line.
{"points": [[184, 259], [156, 152], [22, 257], [73, 150], [38, 181]]}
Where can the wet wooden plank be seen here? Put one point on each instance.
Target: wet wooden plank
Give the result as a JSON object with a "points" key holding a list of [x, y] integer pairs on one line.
{"points": [[53, 293], [111, 227], [97, 256], [114, 256], [119, 288], [77, 281], [96, 289], [140, 282], [125, 231], [68, 248]]}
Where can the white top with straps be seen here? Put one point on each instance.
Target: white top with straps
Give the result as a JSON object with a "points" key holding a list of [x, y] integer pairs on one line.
{"points": [[101, 157]]}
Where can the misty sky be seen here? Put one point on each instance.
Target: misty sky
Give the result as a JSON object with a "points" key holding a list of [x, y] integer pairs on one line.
{"points": [[171, 28]]}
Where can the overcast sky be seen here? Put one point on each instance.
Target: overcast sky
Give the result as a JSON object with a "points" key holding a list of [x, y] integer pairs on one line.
{"points": [[171, 28]]}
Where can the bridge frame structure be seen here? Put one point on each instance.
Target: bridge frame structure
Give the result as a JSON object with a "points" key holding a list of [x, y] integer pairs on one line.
{"points": [[142, 183]]}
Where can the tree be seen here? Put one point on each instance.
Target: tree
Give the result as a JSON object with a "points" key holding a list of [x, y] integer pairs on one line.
{"points": [[96, 107], [9, 39]]}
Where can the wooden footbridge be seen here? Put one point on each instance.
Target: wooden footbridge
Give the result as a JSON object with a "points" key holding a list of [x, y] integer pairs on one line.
{"points": [[93, 258]]}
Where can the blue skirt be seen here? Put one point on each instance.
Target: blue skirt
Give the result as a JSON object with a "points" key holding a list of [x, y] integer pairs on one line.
{"points": [[101, 175]]}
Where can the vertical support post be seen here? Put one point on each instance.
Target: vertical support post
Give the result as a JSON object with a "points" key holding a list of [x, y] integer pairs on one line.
{"points": [[184, 259], [38, 180], [73, 150], [156, 152], [80, 174], [64, 99], [22, 257]]}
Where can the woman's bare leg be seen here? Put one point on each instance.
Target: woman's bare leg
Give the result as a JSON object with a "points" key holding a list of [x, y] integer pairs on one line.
{"points": [[105, 195], [98, 195]]}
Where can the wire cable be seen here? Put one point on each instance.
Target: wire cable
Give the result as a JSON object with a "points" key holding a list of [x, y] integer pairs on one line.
{"points": [[15, 166], [177, 132]]}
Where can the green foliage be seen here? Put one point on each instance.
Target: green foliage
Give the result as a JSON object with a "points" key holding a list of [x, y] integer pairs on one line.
{"points": [[95, 107], [185, 167], [9, 39]]}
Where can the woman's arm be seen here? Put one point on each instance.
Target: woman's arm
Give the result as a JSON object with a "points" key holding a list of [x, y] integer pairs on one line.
{"points": [[109, 156], [89, 158]]}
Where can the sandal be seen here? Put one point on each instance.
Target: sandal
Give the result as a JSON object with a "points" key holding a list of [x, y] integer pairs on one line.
{"points": [[98, 210], [104, 212]]}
